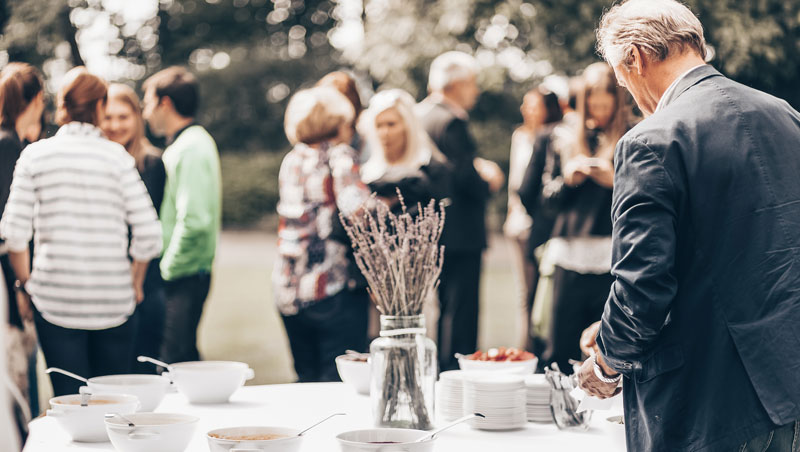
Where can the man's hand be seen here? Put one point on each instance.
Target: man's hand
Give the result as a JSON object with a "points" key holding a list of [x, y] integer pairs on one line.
{"points": [[491, 173], [589, 339], [24, 305], [588, 381]]}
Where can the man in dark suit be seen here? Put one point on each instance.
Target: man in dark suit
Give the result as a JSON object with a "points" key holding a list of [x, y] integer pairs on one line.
{"points": [[454, 90], [703, 319]]}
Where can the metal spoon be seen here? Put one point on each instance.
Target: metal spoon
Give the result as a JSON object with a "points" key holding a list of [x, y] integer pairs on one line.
{"points": [[113, 415], [320, 422], [147, 359], [430, 435], [67, 373]]}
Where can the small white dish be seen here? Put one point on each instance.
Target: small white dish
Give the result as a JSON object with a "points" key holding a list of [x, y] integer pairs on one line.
{"points": [[150, 389], [355, 373], [385, 440], [227, 439], [86, 423], [162, 432], [209, 381]]}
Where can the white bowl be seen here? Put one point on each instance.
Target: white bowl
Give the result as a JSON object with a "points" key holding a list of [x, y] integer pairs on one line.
{"points": [[150, 389], [153, 432], [85, 423], [354, 373], [291, 442], [518, 367], [376, 439], [209, 381]]}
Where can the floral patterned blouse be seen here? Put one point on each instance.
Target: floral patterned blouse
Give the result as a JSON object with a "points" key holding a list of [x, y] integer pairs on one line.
{"points": [[313, 184]]}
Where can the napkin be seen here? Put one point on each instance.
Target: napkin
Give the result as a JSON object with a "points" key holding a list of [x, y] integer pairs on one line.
{"points": [[587, 402]]}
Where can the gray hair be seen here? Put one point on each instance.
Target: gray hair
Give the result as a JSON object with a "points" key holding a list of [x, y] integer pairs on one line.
{"points": [[451, 67], [659, 28]]}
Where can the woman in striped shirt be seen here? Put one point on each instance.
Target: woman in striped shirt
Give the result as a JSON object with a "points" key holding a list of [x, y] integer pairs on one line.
{"points": [[81, 193]]}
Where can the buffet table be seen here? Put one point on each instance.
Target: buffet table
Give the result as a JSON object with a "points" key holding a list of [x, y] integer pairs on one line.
{"points": [[300, 405]]}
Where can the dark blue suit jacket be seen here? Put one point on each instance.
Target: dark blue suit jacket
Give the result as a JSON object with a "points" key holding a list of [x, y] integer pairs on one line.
{"points": [[703, 318]]}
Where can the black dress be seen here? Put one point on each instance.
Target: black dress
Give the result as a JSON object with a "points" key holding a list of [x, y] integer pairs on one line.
{"points": [[10, 150], [151, 311]]}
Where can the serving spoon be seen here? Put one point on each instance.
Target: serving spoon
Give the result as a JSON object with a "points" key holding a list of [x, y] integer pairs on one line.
{"points": [[67, 373], [147, 359], [320, 422], [430, 435]]}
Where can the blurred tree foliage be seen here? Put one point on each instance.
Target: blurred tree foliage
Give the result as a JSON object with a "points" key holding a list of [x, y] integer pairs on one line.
{"points": [[251, 55]]}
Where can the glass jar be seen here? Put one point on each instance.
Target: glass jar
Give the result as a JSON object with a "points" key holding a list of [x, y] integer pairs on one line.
{"points": [[403, 367]]}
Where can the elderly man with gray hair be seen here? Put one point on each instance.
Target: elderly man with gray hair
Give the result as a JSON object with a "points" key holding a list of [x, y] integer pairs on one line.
{"points": [[703, 318], [453, 92]]}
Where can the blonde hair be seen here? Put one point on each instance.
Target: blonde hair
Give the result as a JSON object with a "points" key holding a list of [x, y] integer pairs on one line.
{"points": [[315, 115], [659, 28], [78, 97], [139, 146], [450, 67], [419, 147]]}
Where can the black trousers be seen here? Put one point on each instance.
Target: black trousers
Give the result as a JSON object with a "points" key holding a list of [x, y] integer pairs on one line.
{"points": [[783, 439], [185, 298], [459, 290], [151, 311], [324, 330], [88, 353], [578, 301]]}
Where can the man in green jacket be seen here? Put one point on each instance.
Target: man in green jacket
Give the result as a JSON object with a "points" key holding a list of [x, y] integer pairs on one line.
{"points": [[191, 210]]}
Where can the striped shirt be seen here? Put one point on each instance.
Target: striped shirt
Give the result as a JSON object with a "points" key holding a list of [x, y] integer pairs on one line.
{"points": [[80, 192]]}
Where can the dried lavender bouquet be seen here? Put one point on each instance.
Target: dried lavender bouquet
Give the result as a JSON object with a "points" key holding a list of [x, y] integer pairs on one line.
{"points": [[401, 259]]}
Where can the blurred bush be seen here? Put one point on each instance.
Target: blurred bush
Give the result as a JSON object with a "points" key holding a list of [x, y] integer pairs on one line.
{"points": [[249, 186]]}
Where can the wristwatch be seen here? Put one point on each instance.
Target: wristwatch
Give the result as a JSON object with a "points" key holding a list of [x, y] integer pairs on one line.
{"points": [[19, 286], [598, 372]]}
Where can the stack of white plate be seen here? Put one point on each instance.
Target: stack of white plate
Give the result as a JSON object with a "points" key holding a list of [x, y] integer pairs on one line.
{"points": [[499, 396], [450, 395], [538, 399]]}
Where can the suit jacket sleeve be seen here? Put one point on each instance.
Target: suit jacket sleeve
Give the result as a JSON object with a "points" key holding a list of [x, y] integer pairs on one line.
{"points": [[644, 242], [531, 187], [459, 148]]}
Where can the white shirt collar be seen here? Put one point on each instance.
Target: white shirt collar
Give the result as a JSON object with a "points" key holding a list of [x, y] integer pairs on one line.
{"points": [[672, 86]]}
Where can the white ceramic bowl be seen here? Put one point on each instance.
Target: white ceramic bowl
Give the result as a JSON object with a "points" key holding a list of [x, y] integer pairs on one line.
{"points": [[150, 389], [85, 423], [153, 432], [354, 373], [291, 442], [209, 381], [517, 367], [384, 440]]}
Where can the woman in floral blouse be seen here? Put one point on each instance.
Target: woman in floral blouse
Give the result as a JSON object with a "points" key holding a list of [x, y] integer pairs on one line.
{"points": [[318, 179]]}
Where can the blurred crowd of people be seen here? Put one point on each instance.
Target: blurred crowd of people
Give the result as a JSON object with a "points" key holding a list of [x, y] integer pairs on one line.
{"points": [[108, 243]]}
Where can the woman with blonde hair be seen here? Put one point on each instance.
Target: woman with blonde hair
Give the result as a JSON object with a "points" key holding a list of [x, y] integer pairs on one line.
{"points": [[84, 194], [577, 186], [403, 155], [123, 123]]}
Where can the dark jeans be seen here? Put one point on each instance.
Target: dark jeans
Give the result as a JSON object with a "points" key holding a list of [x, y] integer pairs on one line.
{"points": [[324, 330], [151, 313], [458, 307], [578, 301], [782, 439], [88, 353], [185, 298]]}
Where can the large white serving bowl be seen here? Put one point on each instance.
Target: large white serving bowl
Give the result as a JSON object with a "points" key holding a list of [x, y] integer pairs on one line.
{"points": [[354, 373], [209, 381], [290, 443], [150, 389], [384, 440], [518, 367], [85, 423], [153, 432]]}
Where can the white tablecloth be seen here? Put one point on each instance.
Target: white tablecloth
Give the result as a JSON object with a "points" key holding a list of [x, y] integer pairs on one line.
{"points": [[299, 405]]}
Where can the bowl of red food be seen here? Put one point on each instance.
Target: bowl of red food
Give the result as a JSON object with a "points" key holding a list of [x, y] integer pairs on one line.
{"points": [[508, 359]]}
